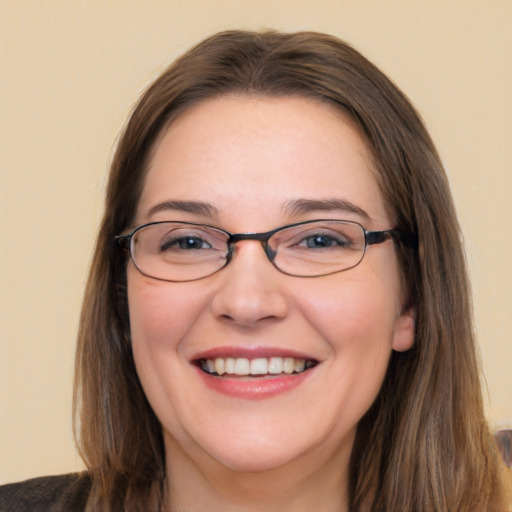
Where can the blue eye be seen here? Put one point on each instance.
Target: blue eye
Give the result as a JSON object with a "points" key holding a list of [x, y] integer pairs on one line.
{"points": [[322, 241], [185, 243]]}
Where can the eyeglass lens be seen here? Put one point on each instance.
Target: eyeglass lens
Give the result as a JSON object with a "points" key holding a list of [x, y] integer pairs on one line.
{"points": [[176, 251]]}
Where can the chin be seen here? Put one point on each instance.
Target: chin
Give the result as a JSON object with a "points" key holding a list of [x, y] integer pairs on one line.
{"points": [[255, 461]]}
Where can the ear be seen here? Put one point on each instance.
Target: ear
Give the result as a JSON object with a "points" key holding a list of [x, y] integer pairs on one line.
{"points": [[405, 327]]}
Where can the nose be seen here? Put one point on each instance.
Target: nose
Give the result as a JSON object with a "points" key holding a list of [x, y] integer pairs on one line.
{"points": [[250, 288]]}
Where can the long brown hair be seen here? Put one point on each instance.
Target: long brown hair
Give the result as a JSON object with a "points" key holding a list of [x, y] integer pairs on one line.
{"points": [[424, 445]]}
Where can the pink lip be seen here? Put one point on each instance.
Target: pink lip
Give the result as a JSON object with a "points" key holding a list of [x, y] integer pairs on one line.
{"points": [[249, 353], [253, 388]]}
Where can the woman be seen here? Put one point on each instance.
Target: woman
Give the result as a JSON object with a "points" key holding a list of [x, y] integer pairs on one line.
{"points": [[333, 370]]}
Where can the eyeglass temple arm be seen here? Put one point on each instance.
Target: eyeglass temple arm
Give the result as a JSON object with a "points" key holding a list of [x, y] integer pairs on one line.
{"points": [[123, 241], [377, 237]]}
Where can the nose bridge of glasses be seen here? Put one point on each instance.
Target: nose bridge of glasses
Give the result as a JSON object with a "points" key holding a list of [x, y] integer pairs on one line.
{"points": [[259, 237]]}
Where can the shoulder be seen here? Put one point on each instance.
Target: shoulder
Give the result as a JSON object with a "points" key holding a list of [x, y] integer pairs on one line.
{"points": [[63, 493]]}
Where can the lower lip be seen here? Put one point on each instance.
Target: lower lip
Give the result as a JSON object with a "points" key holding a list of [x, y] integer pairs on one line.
{"points": [[253, 388]]}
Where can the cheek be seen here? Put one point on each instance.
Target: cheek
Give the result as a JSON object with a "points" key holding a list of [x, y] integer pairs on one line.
{"points": [[150, 323], [357, 321], [159, 312], [363, 309]]}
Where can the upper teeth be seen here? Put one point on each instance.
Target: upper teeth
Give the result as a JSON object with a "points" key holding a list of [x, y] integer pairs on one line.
{"points": [[258, 366]]}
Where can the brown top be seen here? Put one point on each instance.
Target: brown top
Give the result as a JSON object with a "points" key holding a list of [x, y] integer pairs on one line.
{"points": [[63, 493]]}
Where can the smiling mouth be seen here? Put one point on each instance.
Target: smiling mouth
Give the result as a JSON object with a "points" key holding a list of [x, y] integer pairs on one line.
{"points": [[260, 366]]}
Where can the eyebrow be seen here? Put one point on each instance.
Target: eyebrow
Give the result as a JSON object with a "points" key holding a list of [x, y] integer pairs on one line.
{"points": [[303, 206], [195, 207], [295, 207]]}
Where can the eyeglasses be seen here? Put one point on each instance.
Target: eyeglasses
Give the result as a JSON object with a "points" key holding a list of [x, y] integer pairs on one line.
{"points": [[186, 251]]}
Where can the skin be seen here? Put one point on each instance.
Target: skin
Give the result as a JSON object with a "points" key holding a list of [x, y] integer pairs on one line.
{"points": [[248, 158]]}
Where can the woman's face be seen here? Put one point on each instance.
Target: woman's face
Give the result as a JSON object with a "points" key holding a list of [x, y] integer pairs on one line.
{"points": [[253, 165]]}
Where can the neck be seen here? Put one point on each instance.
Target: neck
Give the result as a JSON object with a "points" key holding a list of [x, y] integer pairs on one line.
{"points": [[313, 483]]}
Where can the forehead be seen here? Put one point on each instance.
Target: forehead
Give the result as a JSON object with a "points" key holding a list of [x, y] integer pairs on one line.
{"points": [[250, 151]]}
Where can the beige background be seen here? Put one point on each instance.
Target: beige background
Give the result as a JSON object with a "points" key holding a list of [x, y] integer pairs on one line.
{"points": [[70, 70]]}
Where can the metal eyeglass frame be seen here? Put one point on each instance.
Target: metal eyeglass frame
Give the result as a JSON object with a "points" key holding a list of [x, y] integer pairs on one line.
{"points": [[370, 238]]}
